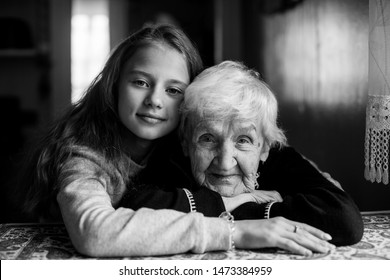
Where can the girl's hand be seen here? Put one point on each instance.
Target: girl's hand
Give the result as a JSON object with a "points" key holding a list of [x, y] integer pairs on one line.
{"points": [[257, 196], [233, 202], [280, 232]]}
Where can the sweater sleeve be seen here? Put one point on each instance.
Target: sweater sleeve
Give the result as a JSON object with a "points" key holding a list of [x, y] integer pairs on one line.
{"points": [[201, 199], [161, 186], [97, 228], [309, 197]]}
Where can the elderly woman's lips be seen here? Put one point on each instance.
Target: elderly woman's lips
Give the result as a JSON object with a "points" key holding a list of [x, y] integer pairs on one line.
{"points": [[222, 178]]}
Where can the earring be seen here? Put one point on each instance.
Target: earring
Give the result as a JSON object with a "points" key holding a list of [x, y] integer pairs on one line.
{"points": [[257, 175]]}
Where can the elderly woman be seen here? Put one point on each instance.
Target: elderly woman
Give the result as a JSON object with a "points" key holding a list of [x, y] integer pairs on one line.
{"points": [[236, 159]]}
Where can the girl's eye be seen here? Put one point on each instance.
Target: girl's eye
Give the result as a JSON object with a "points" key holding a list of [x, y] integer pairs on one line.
{"points": [[140, 83], [174, 91], [206, 138], [244, 140]]}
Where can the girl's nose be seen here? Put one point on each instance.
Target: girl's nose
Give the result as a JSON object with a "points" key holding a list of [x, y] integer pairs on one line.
{"points": [[154, 98], [226, 158]]}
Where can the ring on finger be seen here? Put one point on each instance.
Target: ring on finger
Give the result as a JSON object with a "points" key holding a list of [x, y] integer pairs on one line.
{"points": [[296, 228]]}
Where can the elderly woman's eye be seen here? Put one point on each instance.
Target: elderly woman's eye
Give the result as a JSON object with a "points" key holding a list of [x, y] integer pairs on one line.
{"points": [[207, 138], [244, 140]]}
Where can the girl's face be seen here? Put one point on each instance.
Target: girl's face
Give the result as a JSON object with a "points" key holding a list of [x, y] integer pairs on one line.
{"points": [[151, 88]]}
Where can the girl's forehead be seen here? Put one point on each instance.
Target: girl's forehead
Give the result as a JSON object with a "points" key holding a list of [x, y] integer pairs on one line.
{"points": [[147, 52], [156, 47], [158, 59]]}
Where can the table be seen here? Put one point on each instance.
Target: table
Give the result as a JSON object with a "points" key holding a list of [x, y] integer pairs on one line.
{"points": [[51, 241]]}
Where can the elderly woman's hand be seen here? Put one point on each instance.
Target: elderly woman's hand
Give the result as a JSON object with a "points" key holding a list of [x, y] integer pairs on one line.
{"points": [[257, 196], [260, 196], [280, 232]]}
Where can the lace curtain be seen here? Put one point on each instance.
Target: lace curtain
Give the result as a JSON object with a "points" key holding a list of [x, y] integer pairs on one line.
{"points": [[378, 106]]}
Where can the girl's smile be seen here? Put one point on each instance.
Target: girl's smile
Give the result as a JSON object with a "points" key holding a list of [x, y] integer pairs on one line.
{"points": [[151, 88], [151, 118]]}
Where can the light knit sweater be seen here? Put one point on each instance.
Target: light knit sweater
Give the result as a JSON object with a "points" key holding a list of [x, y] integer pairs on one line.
{"points": [[89, 192]]}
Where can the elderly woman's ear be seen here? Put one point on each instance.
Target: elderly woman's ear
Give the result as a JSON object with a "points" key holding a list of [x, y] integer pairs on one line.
{"points": [[264, 152]]}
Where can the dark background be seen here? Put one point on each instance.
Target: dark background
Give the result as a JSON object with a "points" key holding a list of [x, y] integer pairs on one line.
{"points": [[313, 53]]}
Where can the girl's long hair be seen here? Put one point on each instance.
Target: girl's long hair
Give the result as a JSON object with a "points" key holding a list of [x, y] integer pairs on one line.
{"points": [[92, 122]]}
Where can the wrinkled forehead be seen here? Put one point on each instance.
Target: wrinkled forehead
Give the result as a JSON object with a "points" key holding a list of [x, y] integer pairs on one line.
{"points": [[214, 124]]}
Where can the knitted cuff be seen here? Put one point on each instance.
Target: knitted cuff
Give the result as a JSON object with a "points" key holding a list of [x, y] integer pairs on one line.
{"points": [[268, 209], [190, 200]]}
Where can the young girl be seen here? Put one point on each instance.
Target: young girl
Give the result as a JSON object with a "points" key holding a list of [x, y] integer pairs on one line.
{"points": [[131, 103], [94, 152]]}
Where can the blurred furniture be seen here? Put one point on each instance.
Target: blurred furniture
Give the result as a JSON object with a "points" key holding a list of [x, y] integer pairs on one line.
{"points": [[13, 122], [51, 241]]}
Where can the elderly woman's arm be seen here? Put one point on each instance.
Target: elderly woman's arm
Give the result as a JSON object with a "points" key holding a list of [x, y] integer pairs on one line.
{"points": [[308, 197]]}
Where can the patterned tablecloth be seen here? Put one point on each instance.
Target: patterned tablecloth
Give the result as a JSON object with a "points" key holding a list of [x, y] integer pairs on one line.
{"points": [[51, 241]]}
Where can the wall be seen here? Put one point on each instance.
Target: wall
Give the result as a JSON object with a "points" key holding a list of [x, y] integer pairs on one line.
{"points": [[193, 16], [315, 57]]}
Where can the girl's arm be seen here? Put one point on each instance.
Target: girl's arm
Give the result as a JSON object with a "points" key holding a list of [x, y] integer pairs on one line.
{"points": [[96, 228], [185, 200]]}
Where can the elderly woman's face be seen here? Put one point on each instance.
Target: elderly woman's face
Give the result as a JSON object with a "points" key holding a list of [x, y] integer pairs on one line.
{"points": [[225, 154]]}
